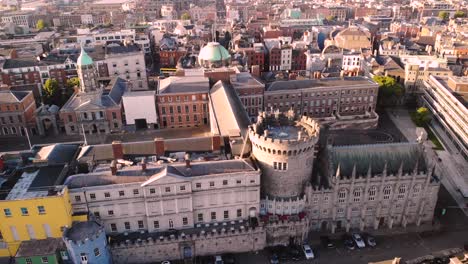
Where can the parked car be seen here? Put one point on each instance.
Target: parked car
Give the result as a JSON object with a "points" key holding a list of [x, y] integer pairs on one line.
{"points": [[370, 241], [327, 242], [295, 253], [274, 259], [166, 262], [358, 240], [219, 260], [309, 254], [348, 242]]}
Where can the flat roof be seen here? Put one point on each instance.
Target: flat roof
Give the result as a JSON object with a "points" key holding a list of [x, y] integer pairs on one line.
{"points": [[320, 83]]}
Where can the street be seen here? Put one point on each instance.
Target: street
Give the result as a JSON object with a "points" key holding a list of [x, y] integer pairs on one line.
{"points": [[452, 234]]}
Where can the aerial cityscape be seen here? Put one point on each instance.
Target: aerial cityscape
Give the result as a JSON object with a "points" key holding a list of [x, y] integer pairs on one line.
{"points": [[233, 131]]}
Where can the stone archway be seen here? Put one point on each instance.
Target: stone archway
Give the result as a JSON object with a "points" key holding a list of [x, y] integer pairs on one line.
{"points": [[47, 125]]}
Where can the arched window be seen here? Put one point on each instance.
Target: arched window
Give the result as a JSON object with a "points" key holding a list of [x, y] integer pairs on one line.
{"points": [[372, 193], [401, 191], [342, 196], [387, 191], [416, 190], [274, 152], [357, 194]]}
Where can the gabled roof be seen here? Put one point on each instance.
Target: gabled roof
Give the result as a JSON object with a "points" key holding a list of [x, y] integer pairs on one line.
{"points": [[168, 171], [7, 97]]}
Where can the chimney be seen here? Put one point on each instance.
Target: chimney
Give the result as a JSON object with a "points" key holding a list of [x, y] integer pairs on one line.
{"points": [[113, 167], [143, 164], [265, 133], [159, 146], [187, 161], [117, 149], [299, 135], [256, 70]]}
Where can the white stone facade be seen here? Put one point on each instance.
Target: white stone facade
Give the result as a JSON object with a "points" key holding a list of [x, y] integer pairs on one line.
{"points": [[171, 201]]}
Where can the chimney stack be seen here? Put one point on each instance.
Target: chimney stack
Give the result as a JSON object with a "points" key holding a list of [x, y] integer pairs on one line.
{"points": [[113, 167], [187, 161], [143, 164]]}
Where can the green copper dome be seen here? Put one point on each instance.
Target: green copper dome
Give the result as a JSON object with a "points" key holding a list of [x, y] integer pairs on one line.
{"points": [[84, 59], [214, 53]]}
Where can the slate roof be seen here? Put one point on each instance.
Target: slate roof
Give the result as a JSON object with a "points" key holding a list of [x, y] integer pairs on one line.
{"points": [[7, 97], [82, 230], [187, 84], [133, 174], [230, 117], [393, 156], [109, 98], [41, 247], [120, 49], [17, 63]]}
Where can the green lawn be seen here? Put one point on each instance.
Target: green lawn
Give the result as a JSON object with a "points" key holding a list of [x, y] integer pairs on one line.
{"points": [[430, 135]]}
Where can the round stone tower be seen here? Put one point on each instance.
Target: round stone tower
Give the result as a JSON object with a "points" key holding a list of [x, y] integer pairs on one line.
{"points": [[284, 148]]}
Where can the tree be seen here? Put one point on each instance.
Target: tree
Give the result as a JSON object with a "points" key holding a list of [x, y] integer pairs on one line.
{"points": [[185, 16], [444, 15], [51, 91], [459, 14], [422, 116], [71, 84], [330, 18], [390, 91], [41, 24]]}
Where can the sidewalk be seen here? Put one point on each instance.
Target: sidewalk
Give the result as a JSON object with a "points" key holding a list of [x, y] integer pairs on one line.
{"points": [[450, 167]]}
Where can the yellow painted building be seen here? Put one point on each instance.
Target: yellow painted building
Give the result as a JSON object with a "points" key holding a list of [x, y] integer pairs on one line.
{"points": [[34, 215]]}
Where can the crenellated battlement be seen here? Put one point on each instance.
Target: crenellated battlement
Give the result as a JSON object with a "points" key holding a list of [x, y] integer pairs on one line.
{"points": [[278, 134]]}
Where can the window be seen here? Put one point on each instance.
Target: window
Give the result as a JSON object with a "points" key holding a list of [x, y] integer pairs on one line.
{"points": [[182, 187], [113, 227], [342, 196], [156, 224], [127, 225], [194, 108], [24, 211], [96, 214], [7, 212], [372, 193], [416, 190], [140, 224], [168, 189], [357, 195], [96, 252], [213, 216], [226, 214], [44, 260], [114, 115], [387, 191], [401, 192], [184, 221], [238, 181], [135, 191], [84, 257], [239, 212], [107, 195], [41, 209], [121, 193], [92, 196], [212, 184], [198, 185], [110, 212], [28, 261], [200, 217], [171, 223], [152, 191], [225, 182]]}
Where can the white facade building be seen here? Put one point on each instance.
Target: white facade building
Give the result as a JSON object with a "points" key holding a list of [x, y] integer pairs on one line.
{"points": [[153, 198], [128, 63]]}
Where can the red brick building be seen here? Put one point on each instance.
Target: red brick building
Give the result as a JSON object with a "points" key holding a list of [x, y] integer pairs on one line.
{"points": [[17, 113], [183, 102], [299, 60]]}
